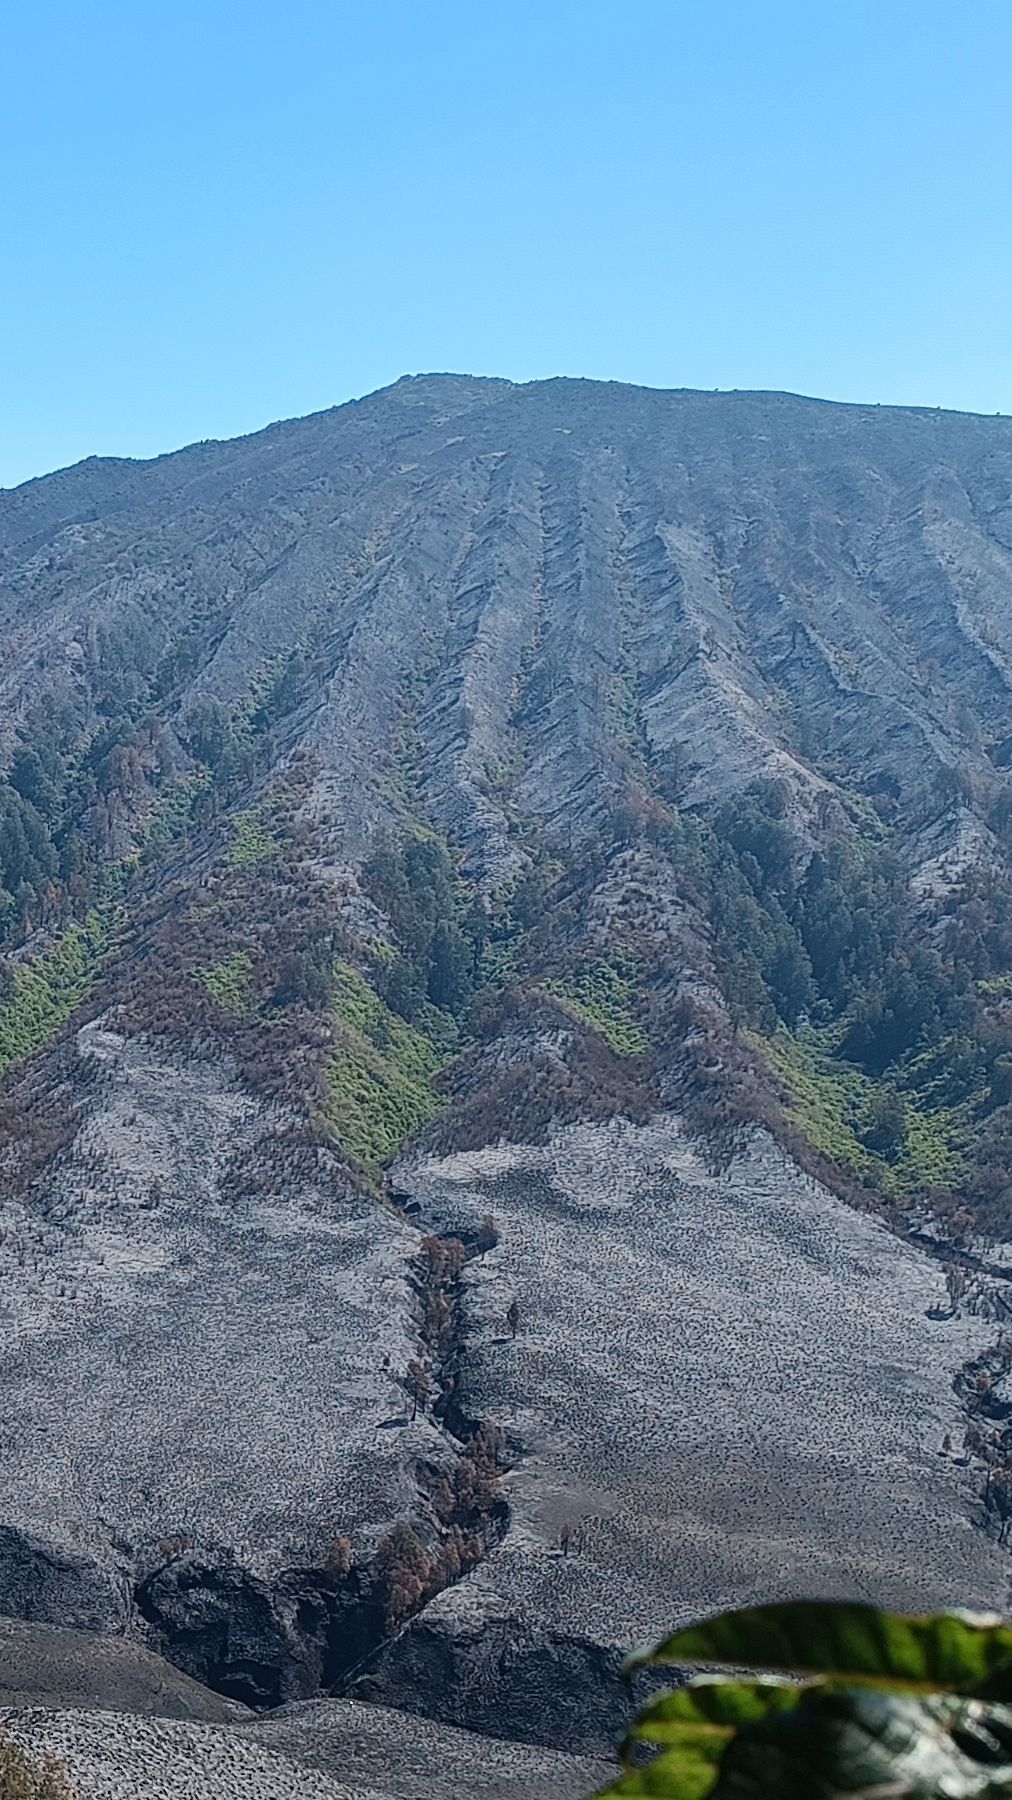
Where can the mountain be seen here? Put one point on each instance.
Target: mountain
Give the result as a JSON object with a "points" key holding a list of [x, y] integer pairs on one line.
{"points": [[506, 1033]]}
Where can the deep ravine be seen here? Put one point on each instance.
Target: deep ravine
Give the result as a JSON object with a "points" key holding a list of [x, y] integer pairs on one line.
{"points": [[317, 1630]]}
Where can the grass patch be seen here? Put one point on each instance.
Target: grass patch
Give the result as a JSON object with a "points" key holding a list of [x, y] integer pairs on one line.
{"points": [[250, 845], [228, 982], [48, 990], [601, 995], [170, 819], [827, 1099], [380, 1076], [996, 987]]}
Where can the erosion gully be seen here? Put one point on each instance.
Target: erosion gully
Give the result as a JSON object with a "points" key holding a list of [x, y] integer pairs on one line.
{"points": [[314, 1631]]}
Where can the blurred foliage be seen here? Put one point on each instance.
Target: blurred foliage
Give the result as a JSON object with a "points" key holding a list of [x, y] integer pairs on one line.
{"points": [[848, 1700]]}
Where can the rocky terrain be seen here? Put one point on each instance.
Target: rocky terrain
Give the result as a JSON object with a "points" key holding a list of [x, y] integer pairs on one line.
{"points": [[118, 1759], [325, 1750], [671, 1403], [51, 1666], [781, 579], [409, 1756], [197, 1408], [492, 844]]}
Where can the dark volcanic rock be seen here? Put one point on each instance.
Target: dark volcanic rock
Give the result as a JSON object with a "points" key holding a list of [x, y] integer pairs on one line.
{"points": [[262, 1642], [507, 1678], [49, 1580]]}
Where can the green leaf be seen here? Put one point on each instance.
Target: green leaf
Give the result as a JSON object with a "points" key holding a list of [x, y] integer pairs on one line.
{"points": [[862, 1742], [857, 1742], [851, 1643], [683, 1774], [696, 1723], [709, 1707]]}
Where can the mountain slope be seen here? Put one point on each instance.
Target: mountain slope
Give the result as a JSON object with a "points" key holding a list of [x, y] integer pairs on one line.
{"points": [[484, 843], [758, 570]]}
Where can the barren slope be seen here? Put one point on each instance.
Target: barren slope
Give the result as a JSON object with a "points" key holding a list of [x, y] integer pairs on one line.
{"points": [[367, 867], [732, 1386], [772, 582]]}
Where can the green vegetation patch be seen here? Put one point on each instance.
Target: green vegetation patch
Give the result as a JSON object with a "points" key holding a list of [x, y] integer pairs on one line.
{"points": [[996, 987], [883, 1130], [170, 819], [46, 991], [228, 981], [24, 1776], [380, 1077], [601, 995], [251, 844]]}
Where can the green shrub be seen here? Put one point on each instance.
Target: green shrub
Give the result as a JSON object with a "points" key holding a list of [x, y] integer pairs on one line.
{"points": [[228, 981], [251, 844], [439, 936], [380, 1076], [46, 991], [882, 1124], [169, 820], [894, 1131], [26, 1777], [600, 995]]}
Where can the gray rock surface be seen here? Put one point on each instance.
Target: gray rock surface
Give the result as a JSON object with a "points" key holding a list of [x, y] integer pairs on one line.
{"points": [[734, 1388], [324, 1750], [194, 1397], [410, 1757], [110, 1757], [46, 1665], [516, 590]]}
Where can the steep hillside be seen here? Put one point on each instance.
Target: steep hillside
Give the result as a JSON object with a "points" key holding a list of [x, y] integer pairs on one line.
{"points": [[483, 844]]}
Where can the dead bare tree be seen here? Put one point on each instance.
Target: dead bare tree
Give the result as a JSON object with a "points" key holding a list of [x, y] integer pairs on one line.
{"points": [[1000, 1492], [419, 1385], [487, 1236], [956, 1282]]}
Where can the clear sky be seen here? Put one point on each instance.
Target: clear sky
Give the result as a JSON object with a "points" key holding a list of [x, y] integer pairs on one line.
{"points": [[216, 215]]}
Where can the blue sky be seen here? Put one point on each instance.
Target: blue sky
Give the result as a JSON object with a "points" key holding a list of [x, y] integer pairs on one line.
{"points": [[214, 216]]}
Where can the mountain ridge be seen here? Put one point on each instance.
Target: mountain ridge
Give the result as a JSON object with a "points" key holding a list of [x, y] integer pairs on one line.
{"points": [[106, 460]]}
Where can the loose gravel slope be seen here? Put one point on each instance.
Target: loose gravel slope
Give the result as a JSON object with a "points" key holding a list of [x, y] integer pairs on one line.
{"points": [[731, 1385]]}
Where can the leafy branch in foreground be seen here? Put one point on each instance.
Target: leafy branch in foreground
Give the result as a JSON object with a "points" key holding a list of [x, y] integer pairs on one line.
{"points": [[844, 1700]]}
